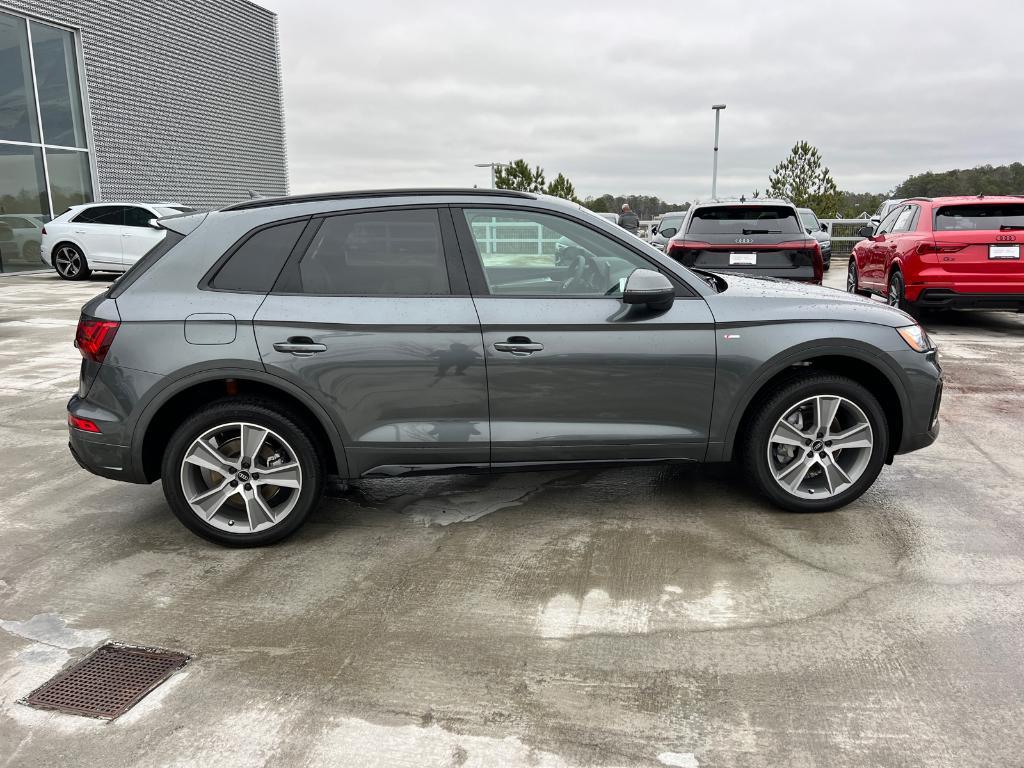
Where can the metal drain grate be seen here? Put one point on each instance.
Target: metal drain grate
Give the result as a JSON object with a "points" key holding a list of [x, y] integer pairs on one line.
{"points": [[108, 682]]}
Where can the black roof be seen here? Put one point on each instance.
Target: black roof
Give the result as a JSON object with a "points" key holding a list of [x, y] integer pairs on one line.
{"points": [[267, 202]]}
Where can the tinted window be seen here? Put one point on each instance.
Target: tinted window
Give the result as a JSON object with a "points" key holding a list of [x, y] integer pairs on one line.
{"points": [[974, 216], [888, 222], [528, 254], [101, 214], [137, 217], [668, 223], [810, 221], [17, 104], [256, 263], [377, 253], [60, 101], [903, 221], [744, 220]]}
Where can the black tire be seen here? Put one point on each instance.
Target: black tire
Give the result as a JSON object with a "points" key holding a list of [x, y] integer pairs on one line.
{"points": [[70, 262], [268, 415], [896, 293], [853, 278], [755, 446]]}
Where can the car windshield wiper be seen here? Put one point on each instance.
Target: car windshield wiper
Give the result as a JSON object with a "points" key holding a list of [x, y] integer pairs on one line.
{"points": [[1011, 226], [762, 231]]}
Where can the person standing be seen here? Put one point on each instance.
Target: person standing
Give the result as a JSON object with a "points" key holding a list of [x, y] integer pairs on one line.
{"points": [[628, 220]]}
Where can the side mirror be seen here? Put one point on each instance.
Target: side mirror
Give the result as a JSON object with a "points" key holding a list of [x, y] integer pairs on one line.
{"points": [[645, 286], [807, 230], [669, 232], [824, 227], [875, 220], [154, 224], [654, 229], [866, 232]]}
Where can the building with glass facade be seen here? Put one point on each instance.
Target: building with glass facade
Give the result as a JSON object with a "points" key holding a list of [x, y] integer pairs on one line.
{"points": [[176, 101]]}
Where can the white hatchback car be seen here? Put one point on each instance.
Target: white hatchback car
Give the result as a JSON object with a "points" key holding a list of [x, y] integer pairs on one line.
{"points": [[106, 237]]}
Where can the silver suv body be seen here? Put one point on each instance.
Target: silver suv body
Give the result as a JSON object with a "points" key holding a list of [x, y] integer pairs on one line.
{"points": [[261, 349]]}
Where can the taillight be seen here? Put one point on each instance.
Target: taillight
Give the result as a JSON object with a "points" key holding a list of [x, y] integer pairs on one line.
{"points": [[923, 249], [76, 422], [94, 337]]}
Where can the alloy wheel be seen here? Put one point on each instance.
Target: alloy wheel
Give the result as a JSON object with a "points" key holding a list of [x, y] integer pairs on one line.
{"points": [[241, 477], [820, 447], [68, 262], [895, 291], [851, 277]]}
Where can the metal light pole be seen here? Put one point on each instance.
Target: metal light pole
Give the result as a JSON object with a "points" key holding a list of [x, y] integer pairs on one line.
{"points": [[492, 166], [714, 173]]}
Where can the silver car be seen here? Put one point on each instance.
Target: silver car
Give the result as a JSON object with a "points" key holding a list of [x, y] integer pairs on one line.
{"points": [[264, 349]]}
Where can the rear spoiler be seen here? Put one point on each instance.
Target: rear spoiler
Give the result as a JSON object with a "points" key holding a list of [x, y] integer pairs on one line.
{"points": [[183, 223]]}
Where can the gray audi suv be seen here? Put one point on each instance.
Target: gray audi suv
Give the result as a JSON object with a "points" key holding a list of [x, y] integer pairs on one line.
{"points": [[262, 350]]}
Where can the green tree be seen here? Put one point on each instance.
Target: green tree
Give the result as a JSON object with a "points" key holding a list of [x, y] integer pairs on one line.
{"points": [[562, 187], [519, 176], [805, 181], [596, 204], [982, 180]]}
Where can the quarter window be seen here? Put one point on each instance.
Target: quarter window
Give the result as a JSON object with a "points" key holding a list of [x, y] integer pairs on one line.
{"points": [[379, 253], [256, 263], [527, 254]]}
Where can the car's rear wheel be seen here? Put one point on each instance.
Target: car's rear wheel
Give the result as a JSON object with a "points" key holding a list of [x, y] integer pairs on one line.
{"points": [[70, 262], [244, 473], [896, 296], [817, 443]]}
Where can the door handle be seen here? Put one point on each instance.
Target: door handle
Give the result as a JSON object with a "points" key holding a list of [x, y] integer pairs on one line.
{"points": [[300, 346], [520, 346]]}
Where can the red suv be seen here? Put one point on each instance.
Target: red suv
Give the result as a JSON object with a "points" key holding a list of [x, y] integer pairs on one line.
{"points": [[944, 252]]}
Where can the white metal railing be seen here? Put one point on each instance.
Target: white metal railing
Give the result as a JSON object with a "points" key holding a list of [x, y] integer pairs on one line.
{"points": [[844, 234]]}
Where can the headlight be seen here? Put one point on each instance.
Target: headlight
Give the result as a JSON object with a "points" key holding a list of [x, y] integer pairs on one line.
{"points": [[916, 338]]}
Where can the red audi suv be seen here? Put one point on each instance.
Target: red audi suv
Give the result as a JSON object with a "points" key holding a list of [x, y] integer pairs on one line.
{"points": [[944, 252]]}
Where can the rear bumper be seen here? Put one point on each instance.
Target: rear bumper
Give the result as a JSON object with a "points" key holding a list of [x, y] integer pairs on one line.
{"points": [[948, 298], [97, 453]]}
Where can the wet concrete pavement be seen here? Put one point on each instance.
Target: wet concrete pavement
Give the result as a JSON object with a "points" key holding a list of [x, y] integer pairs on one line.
{"points": [[630, 617]]}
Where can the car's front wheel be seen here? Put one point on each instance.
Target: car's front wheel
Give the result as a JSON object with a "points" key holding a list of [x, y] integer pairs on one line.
{"points": [[817, 443], [242, 473], [70, 262]]}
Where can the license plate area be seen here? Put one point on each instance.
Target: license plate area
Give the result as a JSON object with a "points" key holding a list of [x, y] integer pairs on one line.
{"points": [[1004, 252], [744, 259]]}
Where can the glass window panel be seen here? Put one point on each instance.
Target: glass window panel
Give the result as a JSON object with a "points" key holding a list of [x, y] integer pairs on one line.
{"points": [[70, 178], [60, 98], [17, 104], [22, 191]]}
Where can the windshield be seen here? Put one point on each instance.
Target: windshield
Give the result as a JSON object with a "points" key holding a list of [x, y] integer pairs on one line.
{"points": [[810, 221], [670, 222], [744, 220], [955, 218]]}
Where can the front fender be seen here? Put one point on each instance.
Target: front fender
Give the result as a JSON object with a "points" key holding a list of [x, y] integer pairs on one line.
{"points": [[742, 375]]}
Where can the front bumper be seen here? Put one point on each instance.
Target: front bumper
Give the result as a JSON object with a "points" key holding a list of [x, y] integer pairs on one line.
{"points": [[921, 419]]}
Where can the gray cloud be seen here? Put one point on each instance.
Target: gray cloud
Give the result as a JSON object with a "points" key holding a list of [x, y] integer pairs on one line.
{"points": [[399, 93]]}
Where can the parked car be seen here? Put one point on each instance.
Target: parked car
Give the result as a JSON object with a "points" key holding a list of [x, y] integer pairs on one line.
{"points": [[105, 237], [819, 232], [944, 252], [884, 209], [665, 228], [259, 348], [20, 234], [612, 217], [758, 238]]}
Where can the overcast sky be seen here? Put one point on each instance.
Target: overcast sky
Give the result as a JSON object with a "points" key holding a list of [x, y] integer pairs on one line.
{"points": [[618, 95]]}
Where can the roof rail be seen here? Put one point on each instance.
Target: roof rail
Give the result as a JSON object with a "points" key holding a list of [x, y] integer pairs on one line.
{"points": [[267, 202], [908, 199]]}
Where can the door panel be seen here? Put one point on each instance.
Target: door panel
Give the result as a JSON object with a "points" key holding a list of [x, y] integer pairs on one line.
{"points": [[607, 383], [403, 379]]}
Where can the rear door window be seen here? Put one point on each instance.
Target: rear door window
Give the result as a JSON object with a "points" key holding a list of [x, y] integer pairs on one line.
{"points": [[989, 217], [744, 220], [102, 214], [903, 221], [255, 264], [379, 253]]}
